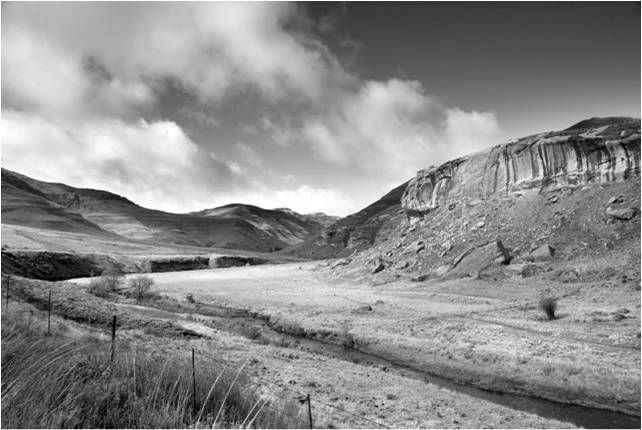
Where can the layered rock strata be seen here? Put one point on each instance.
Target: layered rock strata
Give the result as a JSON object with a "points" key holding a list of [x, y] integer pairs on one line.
{"points": [[543, 162]]}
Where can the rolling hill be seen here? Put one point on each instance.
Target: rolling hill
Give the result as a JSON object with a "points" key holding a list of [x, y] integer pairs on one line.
{"points": [[59, 207]]}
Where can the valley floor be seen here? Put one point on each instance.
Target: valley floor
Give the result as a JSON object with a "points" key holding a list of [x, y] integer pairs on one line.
{"points": [[487, 334]]}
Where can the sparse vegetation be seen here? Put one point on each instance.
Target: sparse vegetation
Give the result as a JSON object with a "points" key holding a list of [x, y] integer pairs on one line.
{"points": [[113, 278], [100, 287], [78, 387], [548, 305], [140, 287]]}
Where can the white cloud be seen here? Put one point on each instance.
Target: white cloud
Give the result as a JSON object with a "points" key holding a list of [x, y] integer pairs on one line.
{"points": [[154, 164], [249, 156], [469, 132], [303, 199], [76, 78], [394, 128]]}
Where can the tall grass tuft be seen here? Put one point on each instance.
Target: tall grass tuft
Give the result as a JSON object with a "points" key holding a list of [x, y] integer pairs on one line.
{"points": [[548, 305], [54, 382]]}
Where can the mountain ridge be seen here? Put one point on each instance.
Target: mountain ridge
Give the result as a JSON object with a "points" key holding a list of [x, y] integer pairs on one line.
{"points": [[57, 206]]}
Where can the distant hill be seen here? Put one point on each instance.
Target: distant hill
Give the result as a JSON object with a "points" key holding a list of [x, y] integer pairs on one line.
{"points": [[284, 224], [54, 206]]}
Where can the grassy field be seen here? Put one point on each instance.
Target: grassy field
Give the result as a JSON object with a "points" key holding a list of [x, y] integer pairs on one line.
{"points": [[344, 393], [490, 334], [66, 380]]}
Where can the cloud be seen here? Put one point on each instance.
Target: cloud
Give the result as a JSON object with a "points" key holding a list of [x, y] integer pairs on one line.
{"points": [[303, 199], [394, 128], [468, 132], [248, 155], [76, 79], [154, 164]]}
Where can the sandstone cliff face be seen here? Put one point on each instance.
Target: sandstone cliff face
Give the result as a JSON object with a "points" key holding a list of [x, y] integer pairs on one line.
{"points": [[589, 152]]}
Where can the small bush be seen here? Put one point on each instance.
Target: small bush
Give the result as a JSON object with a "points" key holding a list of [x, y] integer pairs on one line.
{"points": [[548, 305], [113, 278], [100, 287], [141, 287]]}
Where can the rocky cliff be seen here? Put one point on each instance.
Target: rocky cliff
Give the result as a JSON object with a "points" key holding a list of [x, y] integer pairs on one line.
{"points": [[593, 151]]}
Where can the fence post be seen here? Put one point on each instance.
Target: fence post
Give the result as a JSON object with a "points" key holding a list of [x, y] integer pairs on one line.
{"points": [[113, 339], [9, 279], [193, 386], [309, 410], [49, 315]]}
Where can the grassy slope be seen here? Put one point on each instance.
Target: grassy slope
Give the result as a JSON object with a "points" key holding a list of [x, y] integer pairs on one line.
{"points": [[67, 381], [26, 197], [287, 226]]}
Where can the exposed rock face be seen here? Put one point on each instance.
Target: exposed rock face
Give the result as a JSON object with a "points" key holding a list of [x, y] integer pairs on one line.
{"points": [[234, 261], [543, 162], [172, 264], [55, 266]]}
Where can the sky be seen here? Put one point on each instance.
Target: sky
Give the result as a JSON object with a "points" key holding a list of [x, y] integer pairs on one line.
{"points": [[319, 107]]}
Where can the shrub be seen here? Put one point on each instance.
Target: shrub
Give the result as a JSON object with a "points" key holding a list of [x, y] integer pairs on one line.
{"points": [[548, 305], [100, 287], [141, 287], [113, 278]]}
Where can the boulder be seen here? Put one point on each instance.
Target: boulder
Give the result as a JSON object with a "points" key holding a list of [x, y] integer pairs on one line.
{"points": [[362, 309], [446, 247], [419, 246], [379, 265], [623, 214], [476, 260], [617, 199], [402, 265], [342, 262], [524, 270], [569, 275], [441, 270], [541, 253]]}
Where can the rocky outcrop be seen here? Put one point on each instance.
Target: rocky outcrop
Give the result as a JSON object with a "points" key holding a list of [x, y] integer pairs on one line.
{"points": [[56, 266], [234, 261], [174, 264], [583, 154]]}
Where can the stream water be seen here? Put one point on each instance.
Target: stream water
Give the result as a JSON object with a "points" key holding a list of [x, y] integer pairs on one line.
{"points": [[582, 416], [232, 319]]}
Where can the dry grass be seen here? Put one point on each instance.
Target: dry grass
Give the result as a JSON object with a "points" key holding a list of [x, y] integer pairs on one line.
{"points": [[54, 382], [548, 305]]}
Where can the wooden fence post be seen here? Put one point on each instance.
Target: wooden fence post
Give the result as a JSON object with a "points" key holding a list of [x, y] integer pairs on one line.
{"points": [[309, 410], [113, 339], [9, 279], [193, 386], [49, 315]]}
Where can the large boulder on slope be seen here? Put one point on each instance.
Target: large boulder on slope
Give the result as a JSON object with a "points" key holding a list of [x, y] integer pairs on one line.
{"points": [[476, 260], [542, 253], [623, 214]]}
